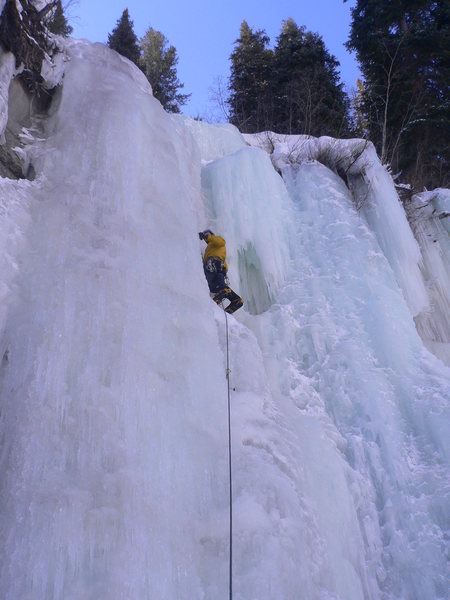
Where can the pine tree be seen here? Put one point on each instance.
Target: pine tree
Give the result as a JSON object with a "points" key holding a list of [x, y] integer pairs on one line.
{"points": [[159, 61], [57, 22], [292, 89], [250, 98], [308, 96], [360, 122], [124, 40], [404, 51]]}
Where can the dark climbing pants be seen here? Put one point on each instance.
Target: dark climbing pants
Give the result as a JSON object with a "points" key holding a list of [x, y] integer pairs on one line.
{"points": [[215, 276]]}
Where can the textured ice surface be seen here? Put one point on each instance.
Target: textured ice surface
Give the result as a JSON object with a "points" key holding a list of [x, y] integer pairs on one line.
{"points": [[374, 195], [7, 69], [352, 385], [214, 141], [256, 219], [113, 394], [113, 448]]}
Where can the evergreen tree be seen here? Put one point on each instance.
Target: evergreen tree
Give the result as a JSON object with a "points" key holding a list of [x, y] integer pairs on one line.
{"points": [[57, 22], [360, 122], [250, 98], [308, 96], [159, 61], [292, 89], [124, 40], [404, 51]]}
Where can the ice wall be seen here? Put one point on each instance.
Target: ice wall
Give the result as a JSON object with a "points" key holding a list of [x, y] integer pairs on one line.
{"points": [[7, 69], [214, 141], [349, 380], [415, 242], [256, 219], [113, 446], [374, 196], [344, 360], [113, 394]]}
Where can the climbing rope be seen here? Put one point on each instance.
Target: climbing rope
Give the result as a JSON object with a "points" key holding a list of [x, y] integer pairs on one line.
{"points": [[229, 461]]}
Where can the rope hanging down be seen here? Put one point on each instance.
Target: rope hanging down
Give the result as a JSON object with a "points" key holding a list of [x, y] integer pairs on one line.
{"points": [[229, 462]]}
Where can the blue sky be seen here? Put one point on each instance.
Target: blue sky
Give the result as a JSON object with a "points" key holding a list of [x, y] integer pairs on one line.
{"points": [[203, 32]]}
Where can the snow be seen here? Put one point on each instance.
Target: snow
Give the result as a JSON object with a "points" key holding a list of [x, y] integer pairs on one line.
{"points": [[52, 70], [114, 395], [40, 4]]}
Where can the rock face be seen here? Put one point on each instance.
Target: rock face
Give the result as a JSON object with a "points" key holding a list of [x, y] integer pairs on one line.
{"points": [[23, 33], [26, 92]]}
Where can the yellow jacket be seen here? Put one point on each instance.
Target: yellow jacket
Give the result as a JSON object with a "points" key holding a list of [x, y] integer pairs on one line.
{"points": [[216, 247]]}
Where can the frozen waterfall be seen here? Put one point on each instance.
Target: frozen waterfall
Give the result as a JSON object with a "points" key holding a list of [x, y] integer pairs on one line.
{"points": [[113, 392]]}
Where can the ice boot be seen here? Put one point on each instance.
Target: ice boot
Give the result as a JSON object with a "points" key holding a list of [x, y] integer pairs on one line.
{"points": [[234, 306]]}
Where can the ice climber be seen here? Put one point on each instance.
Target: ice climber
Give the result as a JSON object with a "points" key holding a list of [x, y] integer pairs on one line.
{"points": [[215, 267]]}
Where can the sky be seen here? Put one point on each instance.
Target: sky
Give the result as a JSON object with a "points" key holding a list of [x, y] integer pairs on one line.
{"points": [[203, 33]]}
